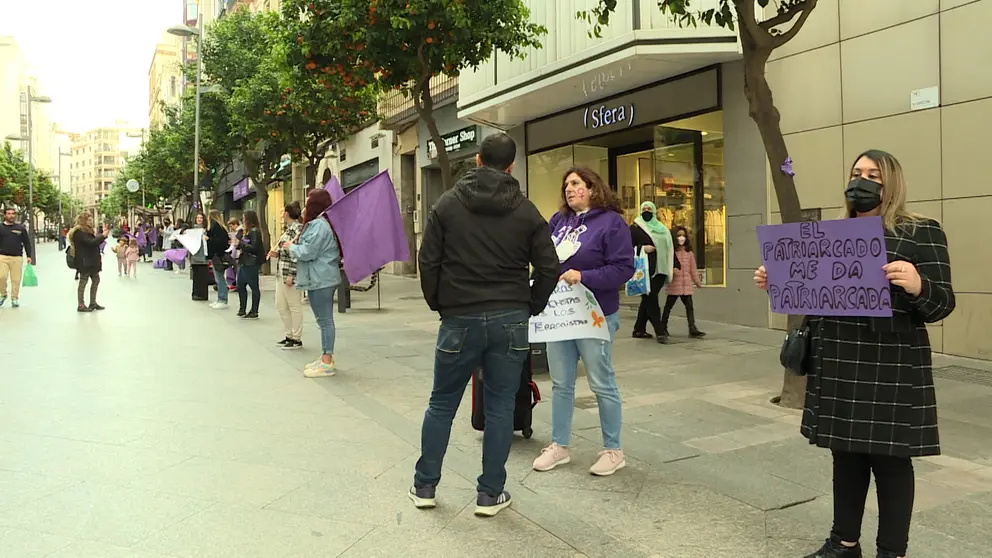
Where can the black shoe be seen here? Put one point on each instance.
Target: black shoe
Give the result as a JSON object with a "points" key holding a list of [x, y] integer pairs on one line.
{"points": [[884, 554], [641, 335], [292, 344], [95, 306], [422, 497], [663, 337], [83, 308], [283, 342], [250, 316], [833, 549], [241, 314], [488, 506], [696, 334]]}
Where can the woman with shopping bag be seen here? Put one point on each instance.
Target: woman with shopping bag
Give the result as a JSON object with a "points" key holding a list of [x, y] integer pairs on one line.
{"points": [[655, 258]]}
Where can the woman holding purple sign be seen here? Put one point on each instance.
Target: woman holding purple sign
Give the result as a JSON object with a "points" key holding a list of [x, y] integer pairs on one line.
{"points": [[869, 393]]}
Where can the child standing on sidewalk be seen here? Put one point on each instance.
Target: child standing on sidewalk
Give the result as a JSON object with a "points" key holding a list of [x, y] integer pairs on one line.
{"points": [[684, 276], [133, 253], [121, 250]]}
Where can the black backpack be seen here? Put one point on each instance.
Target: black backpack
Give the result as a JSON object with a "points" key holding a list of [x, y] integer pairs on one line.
{"points": [[70, 256]]}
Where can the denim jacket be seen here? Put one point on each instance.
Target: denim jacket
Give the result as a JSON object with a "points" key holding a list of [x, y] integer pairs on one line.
{"points": [[317, 257]]}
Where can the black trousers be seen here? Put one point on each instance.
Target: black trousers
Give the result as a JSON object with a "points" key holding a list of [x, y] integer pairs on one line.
{"points": [[690, 314], [895, 484], [648, 311], [201, 281]]}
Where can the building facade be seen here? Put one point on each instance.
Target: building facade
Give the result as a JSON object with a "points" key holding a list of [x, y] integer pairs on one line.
{"points": [[15, 79], [97, 158], [659, 112], [165, 79]]}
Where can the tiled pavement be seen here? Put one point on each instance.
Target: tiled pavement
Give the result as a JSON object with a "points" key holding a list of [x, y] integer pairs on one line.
{"points": [[162, 428]]}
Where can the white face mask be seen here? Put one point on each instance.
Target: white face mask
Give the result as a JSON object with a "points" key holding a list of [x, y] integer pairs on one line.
{"points": [[681, 240]]}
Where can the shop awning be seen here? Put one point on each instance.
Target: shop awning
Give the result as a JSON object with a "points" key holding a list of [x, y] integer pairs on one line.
{"points": [[614, 67]]}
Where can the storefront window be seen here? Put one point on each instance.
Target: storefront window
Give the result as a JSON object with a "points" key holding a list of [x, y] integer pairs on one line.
{"points": [[544, 172]]}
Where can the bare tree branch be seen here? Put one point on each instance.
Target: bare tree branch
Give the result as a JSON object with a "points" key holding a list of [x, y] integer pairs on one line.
{"points": [[745, 13], [779, 40]]}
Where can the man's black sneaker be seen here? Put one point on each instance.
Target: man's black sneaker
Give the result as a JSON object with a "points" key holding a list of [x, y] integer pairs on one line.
{"points": [[696, 334], [283, 342], [82, 308], [833, 549], [423, 497], [241, 314], [488, 506], [292, 344], [96, 306], [250, 316]]}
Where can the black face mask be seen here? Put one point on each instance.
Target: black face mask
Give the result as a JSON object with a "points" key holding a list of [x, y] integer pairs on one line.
{"points": [[863, 195], [647, 215]]}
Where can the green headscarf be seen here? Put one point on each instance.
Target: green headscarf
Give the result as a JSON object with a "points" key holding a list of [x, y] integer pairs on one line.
{"points": [[662, 239]]}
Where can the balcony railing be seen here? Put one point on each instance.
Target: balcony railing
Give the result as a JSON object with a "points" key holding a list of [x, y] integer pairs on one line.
{"points": [[396, 110]]}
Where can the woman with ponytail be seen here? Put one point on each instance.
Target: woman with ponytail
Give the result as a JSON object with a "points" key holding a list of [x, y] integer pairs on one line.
{"points": [[318, 256]]}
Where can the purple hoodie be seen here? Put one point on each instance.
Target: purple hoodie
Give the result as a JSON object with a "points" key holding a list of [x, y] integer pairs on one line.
{"points": [[605, 256]]}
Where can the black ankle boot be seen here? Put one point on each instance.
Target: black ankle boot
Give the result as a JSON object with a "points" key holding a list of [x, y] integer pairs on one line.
{"points": [[833, 549]]}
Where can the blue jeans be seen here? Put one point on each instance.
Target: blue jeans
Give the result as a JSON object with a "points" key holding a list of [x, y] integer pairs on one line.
{"points": [[221, 281], [322, 304], [597, 356], [247, 277], [497, 341]]}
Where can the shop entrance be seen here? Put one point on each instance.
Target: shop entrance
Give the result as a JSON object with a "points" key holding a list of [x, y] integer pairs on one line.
{"points": [[678, 166]]}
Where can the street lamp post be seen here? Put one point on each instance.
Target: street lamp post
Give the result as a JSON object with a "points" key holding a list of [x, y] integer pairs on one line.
{"points": [[61, 154], [187, 31], [30, 99]]}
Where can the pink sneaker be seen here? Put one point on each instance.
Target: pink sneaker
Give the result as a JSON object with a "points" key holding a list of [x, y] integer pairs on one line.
{"points": [[609, 462], [551, 457]]}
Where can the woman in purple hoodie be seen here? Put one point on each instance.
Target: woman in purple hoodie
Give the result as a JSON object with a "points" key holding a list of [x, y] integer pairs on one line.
{"points": [[594, 248]]}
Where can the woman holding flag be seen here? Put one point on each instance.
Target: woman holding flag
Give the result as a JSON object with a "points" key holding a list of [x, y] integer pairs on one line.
{"points": [[318, 256]]}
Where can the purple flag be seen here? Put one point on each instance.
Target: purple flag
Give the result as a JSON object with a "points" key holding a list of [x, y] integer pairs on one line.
{"points": [[827, 268], [370, 227], [176, 255], [333, 188]]}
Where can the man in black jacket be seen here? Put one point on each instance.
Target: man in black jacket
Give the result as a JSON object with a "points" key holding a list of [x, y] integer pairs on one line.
{"points": [[477, 247], [14, 244]]}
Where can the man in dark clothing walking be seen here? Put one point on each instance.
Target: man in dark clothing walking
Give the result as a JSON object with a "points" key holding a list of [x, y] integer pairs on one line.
{"points": [[478, 244], [14, 244]]}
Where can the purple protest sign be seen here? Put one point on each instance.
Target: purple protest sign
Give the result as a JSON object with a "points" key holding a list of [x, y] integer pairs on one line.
{"points": [[827, 268]]}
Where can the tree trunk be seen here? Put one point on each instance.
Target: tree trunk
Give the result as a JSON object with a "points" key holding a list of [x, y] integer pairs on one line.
{"points": [[425, 109], [762, 109], [259, 172]]}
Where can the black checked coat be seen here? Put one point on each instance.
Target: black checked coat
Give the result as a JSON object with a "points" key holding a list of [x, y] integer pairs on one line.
{"points": [[871, 386]]}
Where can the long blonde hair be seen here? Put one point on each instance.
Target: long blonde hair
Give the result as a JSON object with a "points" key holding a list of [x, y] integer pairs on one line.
{"points": [[893, 209], [215, 217], [82, 223]]}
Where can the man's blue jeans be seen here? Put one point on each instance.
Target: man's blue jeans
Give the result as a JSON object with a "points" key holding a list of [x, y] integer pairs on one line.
{"points": [[496, 340]]}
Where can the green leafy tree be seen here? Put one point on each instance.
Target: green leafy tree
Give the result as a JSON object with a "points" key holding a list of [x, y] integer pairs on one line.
{"points": [[238, 58], [402, 44], [13, 176], [760, 35]]}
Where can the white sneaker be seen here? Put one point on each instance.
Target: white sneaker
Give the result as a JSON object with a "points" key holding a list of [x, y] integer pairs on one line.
{"points": [[218, 305], [319, 370]]}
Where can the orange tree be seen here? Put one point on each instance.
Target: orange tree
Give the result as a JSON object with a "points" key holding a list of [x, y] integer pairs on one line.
{"points": [[759, 35], [402, 44]]}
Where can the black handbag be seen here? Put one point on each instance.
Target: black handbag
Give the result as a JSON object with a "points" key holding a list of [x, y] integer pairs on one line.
{"points": [[796, 355]]}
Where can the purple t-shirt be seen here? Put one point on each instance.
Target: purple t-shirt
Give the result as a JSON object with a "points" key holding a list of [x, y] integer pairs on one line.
{"points": [[597, 244]]}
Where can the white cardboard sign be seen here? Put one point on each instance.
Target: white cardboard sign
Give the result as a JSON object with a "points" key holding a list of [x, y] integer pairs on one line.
{"points": [[572, 313]]}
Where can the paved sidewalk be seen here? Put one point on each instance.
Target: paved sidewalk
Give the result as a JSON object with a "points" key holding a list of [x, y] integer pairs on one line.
{"points": [[162, 428]]}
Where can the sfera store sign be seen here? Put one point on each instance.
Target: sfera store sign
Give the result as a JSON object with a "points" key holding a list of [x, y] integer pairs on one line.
{"points": [[597, 116], [694, 93], [455, 141]]}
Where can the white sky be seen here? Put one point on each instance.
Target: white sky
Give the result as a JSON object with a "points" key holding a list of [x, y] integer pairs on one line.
{"points": [[91, 58]]}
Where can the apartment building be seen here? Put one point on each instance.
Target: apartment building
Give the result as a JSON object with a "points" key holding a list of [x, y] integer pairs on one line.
{"points": [[97, 158], [659, 111], [165, 79], [15, 79]]}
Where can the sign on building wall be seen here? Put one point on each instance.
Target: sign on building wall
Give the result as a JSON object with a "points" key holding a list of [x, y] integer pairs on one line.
{"points": [[455, 141]]}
